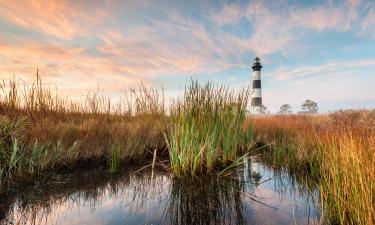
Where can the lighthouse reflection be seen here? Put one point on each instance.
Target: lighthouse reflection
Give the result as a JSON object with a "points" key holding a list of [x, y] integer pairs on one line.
{"points": [[253, 194]]}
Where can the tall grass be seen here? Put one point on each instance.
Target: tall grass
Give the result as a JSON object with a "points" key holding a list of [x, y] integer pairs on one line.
{"points": [[206, 129], [337, 149], [41, 130], [348, 168]]}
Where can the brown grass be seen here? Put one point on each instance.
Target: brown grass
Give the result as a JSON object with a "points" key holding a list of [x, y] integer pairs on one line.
{"points": [[40, 130], [338, 149]]}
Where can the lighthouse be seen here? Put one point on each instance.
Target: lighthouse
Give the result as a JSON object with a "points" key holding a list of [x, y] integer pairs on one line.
{"points": [[256, 94]]}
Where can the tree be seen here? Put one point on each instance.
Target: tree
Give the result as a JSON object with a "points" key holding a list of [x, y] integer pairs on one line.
{"points": [[310, 106], [285, 109]]}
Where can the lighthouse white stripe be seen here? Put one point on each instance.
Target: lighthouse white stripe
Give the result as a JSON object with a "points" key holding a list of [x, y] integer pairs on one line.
{"points": [[257, 92], [256, 75]]}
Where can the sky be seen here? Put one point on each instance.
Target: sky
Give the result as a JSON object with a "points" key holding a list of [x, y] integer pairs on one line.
{"points": [[322, 50]]}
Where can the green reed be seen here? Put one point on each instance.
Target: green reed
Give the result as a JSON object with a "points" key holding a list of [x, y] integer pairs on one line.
{"points": [[206, 128]]}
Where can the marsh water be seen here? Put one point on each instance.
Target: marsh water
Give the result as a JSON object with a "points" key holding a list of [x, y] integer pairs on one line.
{"points": [[253, 194]]}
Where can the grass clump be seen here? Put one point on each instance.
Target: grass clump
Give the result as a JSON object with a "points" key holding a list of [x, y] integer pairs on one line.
{"points": [[206, 129]]}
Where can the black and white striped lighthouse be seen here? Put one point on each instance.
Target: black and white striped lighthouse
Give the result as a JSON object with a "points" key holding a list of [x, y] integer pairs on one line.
{"points": [[256, 95]]}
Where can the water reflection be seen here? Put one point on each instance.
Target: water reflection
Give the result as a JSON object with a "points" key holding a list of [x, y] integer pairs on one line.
{"points": [[254, 194], [207, 200]]}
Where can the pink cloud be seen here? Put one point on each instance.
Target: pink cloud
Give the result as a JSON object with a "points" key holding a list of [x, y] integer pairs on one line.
{"points": [[368, 23], [61, 19], [175, 45], [319, 19], [229, 14], [69, 67], [327, 16]]}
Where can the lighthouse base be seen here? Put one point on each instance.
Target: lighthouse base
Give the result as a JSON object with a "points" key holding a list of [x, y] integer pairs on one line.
{"points": [[256, 110]]}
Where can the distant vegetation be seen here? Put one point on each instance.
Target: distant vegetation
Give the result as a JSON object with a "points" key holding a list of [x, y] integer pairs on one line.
{"points": [[308, 107], [206, 131], [285, 109]]}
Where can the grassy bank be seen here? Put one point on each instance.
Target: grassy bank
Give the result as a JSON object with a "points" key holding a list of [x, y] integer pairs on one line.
{"points": [[41, 131], [337, 149]]}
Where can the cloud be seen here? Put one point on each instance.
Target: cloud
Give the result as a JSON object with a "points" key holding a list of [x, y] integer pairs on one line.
{"points": [[277, 28], [60, 19], [72, 68], [173, 45], [230, 14], [119, 58], [271, 33], [333, 68], [368, 23], [328, 16]]}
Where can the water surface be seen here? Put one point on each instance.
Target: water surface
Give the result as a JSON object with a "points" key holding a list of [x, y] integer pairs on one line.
{"points": [[253, 194]]}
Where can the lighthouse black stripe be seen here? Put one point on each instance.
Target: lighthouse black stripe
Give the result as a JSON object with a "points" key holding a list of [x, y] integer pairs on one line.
{"points": [[256, 84], [257, 101]]}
